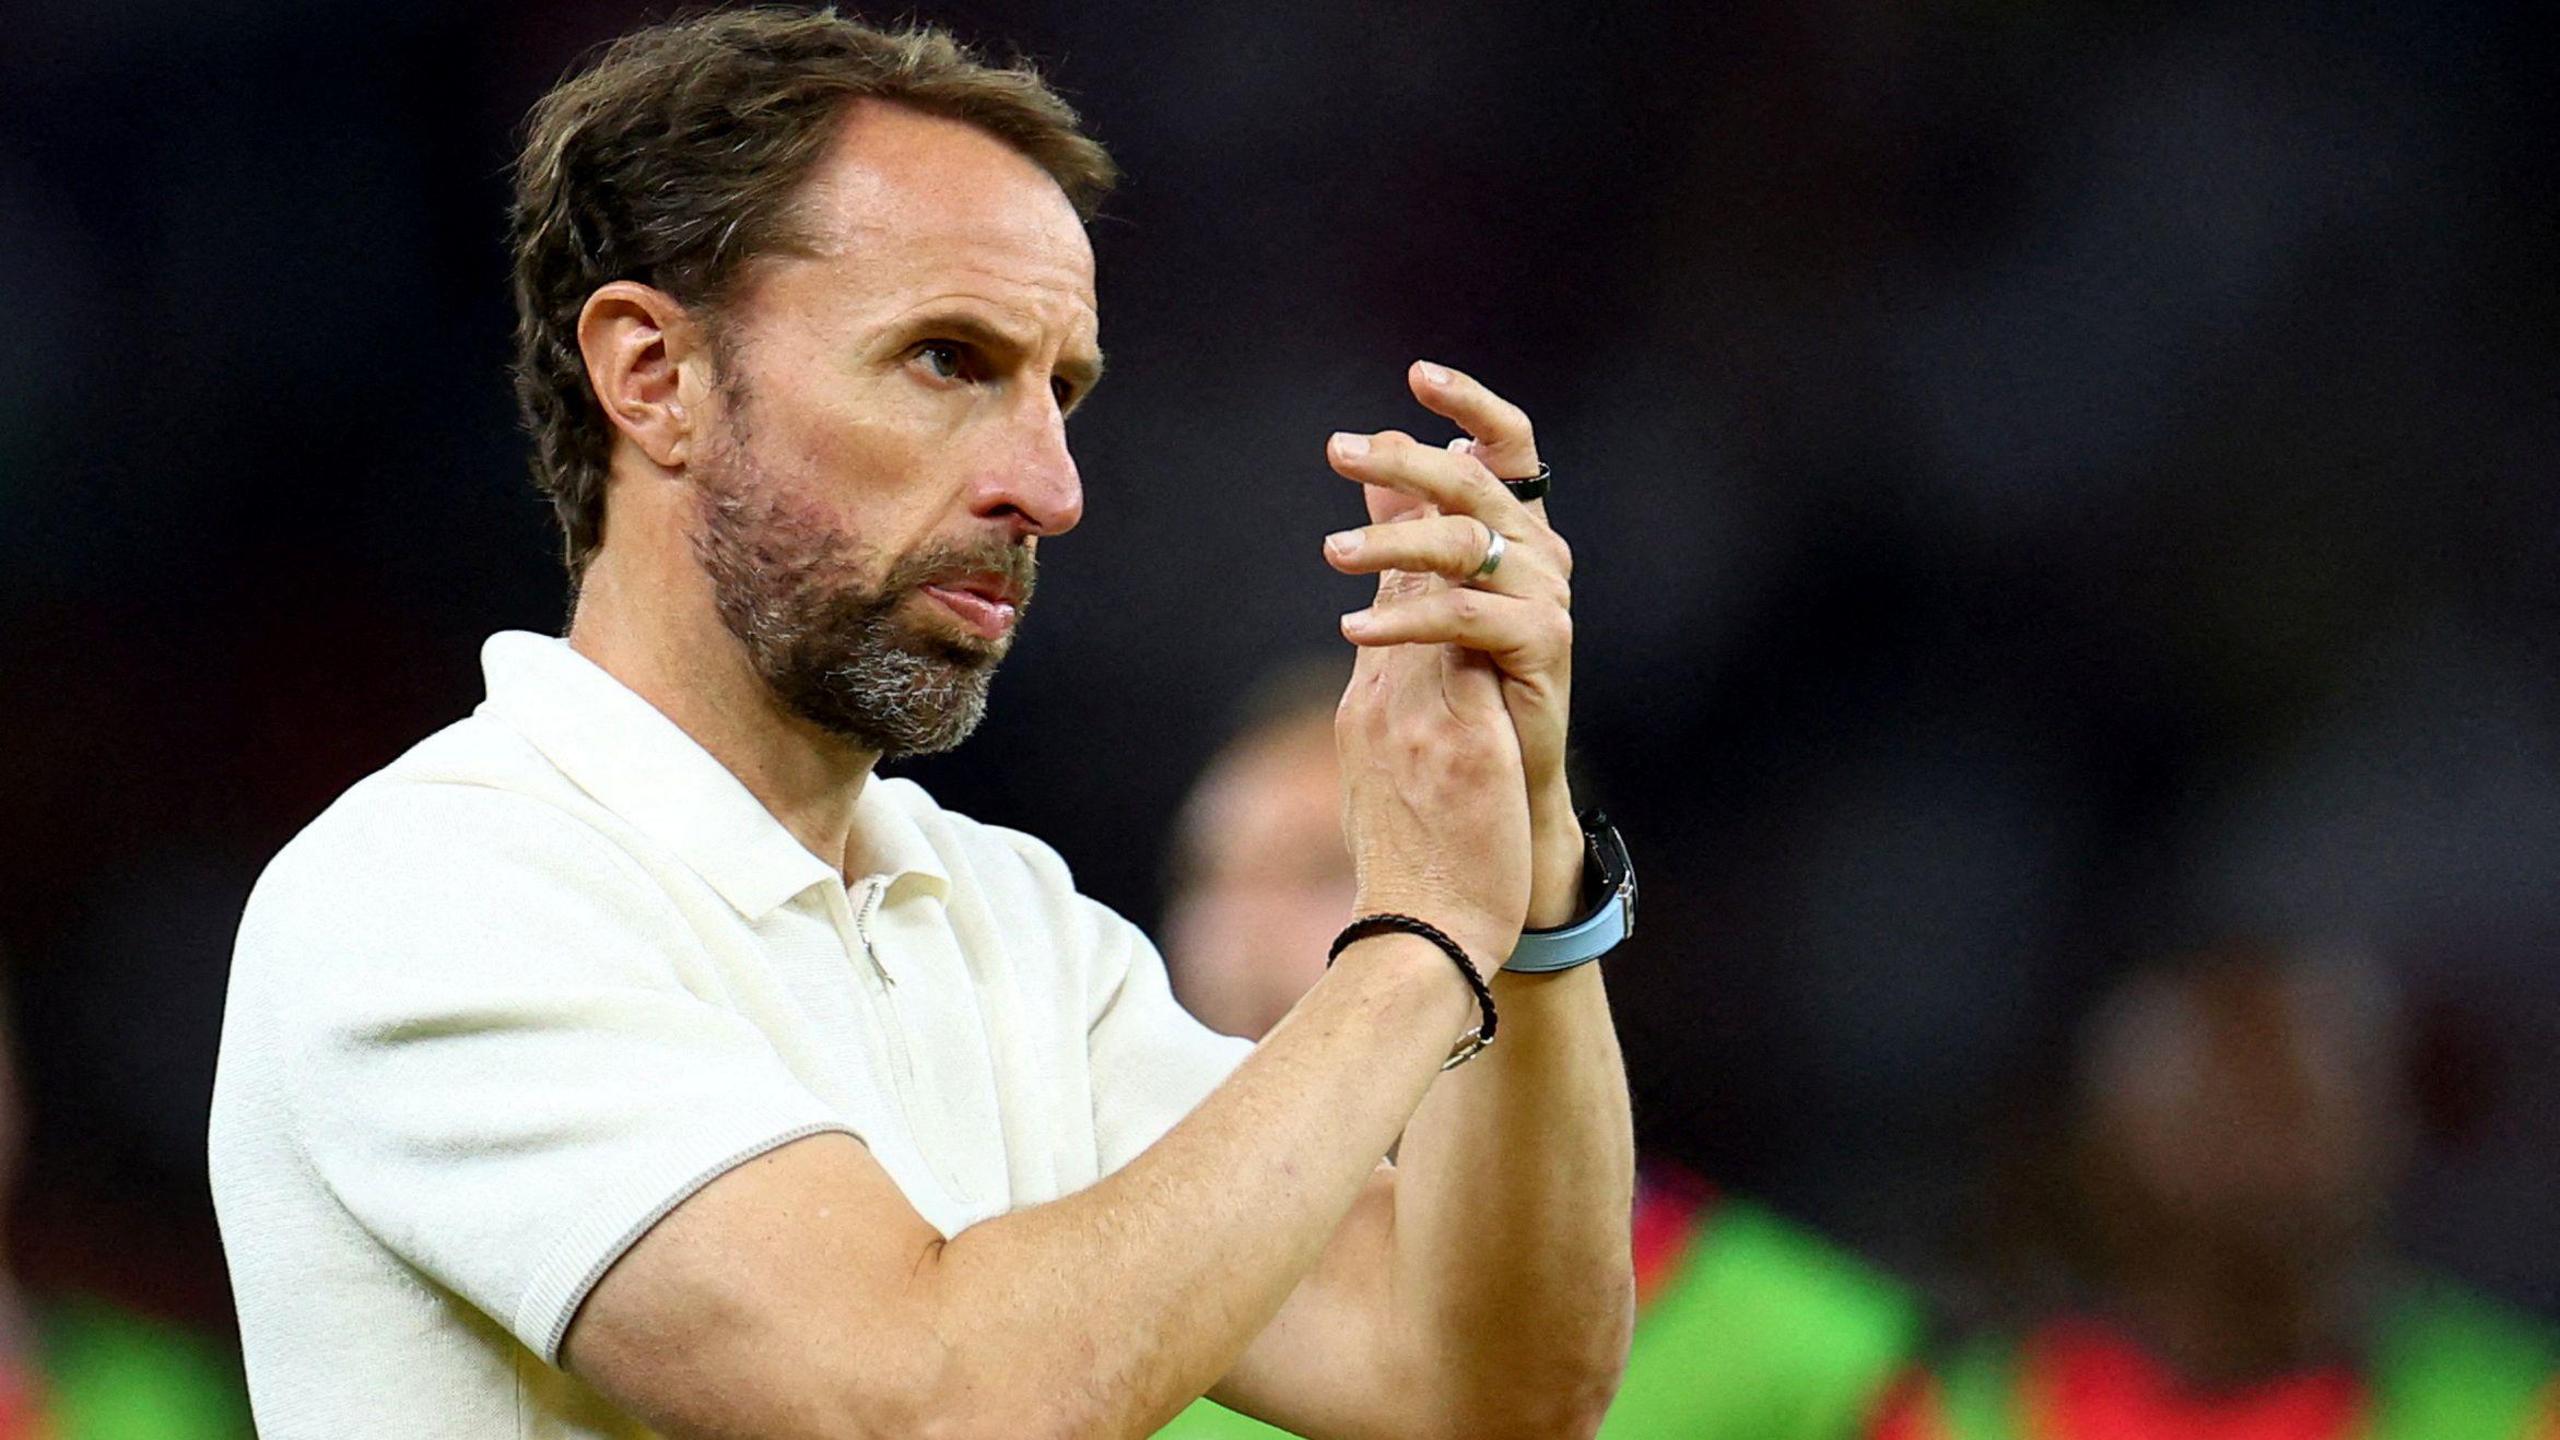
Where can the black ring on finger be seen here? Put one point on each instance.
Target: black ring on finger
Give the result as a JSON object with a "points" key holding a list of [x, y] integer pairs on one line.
{"points": [[1530, 487]]}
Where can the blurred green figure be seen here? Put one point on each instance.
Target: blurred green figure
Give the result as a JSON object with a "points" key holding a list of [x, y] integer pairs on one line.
{"points": [[87, 1370]]}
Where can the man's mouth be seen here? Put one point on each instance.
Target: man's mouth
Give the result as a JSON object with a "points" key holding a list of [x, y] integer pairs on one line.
{"points": [[987, 605]]}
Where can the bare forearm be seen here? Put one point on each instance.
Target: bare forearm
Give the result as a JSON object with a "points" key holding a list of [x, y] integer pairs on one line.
{"points": [[1513, 1192], [1126, 1301]]}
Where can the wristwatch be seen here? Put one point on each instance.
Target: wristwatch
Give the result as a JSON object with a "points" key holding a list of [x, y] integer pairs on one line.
{"points": [[1606, 873]]}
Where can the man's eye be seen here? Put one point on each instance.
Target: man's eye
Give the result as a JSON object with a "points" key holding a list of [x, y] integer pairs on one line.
{"points": [[944, 359], [1063, 393]]}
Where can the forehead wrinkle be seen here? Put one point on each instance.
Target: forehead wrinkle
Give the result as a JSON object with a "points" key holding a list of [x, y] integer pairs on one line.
{"points": [[905, 272], [979, 229]]}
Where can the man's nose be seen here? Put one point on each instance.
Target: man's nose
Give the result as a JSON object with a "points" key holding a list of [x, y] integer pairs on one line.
{"points": [[1036, 483]]}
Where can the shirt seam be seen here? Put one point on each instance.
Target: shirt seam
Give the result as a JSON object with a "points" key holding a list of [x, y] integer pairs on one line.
{"points": [[557, 1327]]}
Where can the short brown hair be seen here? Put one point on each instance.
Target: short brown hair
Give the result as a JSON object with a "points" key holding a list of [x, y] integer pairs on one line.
{"points": [[674, 160]]}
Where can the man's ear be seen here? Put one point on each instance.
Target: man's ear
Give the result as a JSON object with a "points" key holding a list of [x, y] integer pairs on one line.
{"points": [[637, 341]]}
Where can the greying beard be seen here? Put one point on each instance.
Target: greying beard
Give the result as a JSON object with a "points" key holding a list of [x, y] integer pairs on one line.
{"points": [[832, 650]]}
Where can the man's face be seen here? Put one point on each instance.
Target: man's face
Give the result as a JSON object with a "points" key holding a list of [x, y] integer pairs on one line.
{"points": [[2259, 1106], [1270, 880], [888, 437]]}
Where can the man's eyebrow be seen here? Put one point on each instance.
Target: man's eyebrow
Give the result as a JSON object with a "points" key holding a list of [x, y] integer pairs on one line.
{"points": [[1084, 371], [1081, 370]]}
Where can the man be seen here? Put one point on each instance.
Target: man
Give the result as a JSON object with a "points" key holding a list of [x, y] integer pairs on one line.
{"points": [[628, 1059], [2216, 1267], [1258, 875], [2239, 1123]]}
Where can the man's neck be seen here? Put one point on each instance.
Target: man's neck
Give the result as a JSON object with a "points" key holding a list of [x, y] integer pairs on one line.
{"points": [[654, 628]]}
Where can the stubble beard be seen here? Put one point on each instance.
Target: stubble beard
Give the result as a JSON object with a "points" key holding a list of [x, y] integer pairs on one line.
{"points": [[831, 649]]}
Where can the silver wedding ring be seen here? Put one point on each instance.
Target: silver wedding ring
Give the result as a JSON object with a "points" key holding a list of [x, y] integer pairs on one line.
{"points": [[1494, 546]]}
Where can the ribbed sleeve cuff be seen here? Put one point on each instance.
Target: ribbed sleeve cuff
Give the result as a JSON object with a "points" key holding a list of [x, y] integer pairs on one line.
{"points": [[617, 1220]]}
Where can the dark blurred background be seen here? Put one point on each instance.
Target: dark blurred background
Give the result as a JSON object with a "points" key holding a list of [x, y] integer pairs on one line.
{"points": [[2054, 484]]}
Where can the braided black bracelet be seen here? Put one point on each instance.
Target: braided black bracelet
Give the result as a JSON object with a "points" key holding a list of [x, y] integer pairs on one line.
{"points": [[1473, 1042]]}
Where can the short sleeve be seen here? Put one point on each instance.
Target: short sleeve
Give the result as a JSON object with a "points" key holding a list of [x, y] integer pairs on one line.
{"points": [[499, 1052], [1152, 1061]]}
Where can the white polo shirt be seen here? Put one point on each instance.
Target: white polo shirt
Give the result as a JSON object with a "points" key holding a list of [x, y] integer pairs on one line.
{"points": [[514, 997]]}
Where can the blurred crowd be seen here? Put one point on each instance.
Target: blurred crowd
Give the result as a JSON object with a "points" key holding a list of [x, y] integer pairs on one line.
{"points": [[2191, 1239], [2067, 596]]}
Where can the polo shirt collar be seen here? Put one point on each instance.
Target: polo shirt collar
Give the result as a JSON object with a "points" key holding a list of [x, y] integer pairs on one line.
{"points": [[643, 767]]}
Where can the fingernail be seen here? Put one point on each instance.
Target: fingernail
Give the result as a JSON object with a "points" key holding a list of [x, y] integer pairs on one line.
{"points": [[1357, 622], [1433, 374], [1345, 544], [1350, 446]]}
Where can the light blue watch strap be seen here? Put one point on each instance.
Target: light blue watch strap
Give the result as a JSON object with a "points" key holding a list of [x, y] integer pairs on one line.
{"points": [[1542, 952]]}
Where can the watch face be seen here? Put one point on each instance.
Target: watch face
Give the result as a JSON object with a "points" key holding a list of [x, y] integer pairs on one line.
{"points": [[1608, 852], [1615, 872]]}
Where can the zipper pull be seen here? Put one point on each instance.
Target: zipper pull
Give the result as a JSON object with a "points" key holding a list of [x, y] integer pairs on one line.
{"points": [[873, 890]]}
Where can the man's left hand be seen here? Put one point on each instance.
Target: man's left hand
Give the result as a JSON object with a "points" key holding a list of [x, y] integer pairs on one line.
{"points": [[1434, 512]]}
